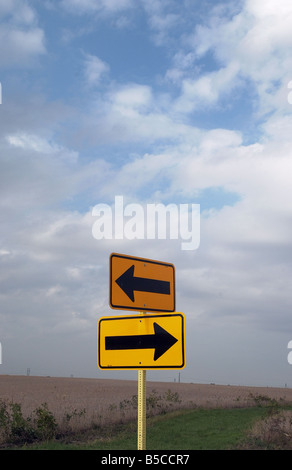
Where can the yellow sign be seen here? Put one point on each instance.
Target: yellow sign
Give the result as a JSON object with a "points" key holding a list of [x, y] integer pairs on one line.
{"points": [[141, 284], [144, 341]]}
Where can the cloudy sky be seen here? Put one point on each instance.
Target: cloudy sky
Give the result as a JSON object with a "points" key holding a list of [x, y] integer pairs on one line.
{"points": [[158, 101]]}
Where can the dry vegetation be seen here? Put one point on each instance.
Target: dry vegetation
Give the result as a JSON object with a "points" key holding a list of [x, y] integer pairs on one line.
{"points": [[82, 404], [274, 432]]}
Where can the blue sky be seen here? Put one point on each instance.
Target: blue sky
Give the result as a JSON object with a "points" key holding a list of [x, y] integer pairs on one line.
{"points": [[157, 101]]}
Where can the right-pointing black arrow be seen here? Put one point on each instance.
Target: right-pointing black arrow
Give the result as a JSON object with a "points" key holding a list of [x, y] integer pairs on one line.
{"points": [[129, 283], [160, 341]]}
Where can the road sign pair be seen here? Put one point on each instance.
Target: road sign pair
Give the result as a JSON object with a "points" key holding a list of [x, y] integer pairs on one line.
{"points": [[145, 341]]}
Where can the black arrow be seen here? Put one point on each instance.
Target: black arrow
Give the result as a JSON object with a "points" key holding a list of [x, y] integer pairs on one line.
{"points": [[128, 283], [161, 341]]}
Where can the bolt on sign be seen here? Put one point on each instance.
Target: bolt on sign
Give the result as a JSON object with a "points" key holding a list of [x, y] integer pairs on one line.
{"points": [[142, 342], [141, 284]]}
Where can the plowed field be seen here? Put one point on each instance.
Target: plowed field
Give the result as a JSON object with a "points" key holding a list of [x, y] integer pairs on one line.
{"points": [[85, 401]]}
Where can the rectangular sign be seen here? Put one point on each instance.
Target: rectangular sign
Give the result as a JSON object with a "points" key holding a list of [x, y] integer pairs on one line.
{"points": [[141, 284], [144, 341]]}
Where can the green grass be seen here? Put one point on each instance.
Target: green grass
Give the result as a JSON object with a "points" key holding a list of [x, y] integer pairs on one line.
{"points": [[199, 429], [202, 429]]}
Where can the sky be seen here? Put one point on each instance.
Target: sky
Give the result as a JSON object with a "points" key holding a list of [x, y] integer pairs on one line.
{"points": [[157, 101]]}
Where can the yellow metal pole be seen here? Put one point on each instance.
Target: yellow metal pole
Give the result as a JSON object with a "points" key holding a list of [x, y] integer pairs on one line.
{"points": [[141, 409], [141, 438]]}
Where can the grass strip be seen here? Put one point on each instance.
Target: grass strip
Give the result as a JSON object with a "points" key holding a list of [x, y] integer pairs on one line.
{"points": [[199, 429]]}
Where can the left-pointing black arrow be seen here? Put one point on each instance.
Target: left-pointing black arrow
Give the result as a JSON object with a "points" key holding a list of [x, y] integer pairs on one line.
{"points": [[160, 341], [130, 283]]}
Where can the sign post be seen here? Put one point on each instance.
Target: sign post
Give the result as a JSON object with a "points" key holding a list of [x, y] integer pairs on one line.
{"points": [[152, 339], [141, 434], [141, 438]]}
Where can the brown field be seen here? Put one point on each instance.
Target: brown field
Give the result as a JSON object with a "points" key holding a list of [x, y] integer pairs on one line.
{"points": [[88, 402]]}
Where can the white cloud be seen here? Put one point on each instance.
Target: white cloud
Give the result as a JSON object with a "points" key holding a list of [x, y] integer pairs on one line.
{"points": [[89, 6], [32, 142], [162, 19], [208, 89], [35, 172], [95, 68], [132, 98], [253, 44], [21, 40], [268, 8], [132, 113], [19, 10]]}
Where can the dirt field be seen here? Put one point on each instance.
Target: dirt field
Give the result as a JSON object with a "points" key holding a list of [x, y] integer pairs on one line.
{"points": [[102, 401]]}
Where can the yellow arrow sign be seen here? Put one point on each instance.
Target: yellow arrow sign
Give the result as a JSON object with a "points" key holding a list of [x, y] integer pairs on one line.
{"points": [[142, 342], [141, 284]]}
